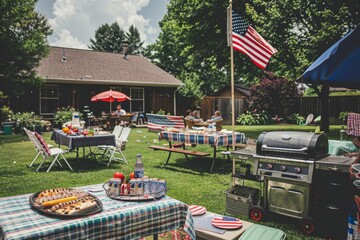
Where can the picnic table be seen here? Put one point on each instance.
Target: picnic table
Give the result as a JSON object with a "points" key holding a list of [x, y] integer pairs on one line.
{"points": [[118, 220], [196, 137]]}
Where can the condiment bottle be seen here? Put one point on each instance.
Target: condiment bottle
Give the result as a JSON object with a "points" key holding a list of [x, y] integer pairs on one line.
{"points": [[139, 167]]}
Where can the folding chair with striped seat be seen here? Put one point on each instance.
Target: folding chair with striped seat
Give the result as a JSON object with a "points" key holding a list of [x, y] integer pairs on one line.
{"points": [[46, 152], [36, 146]]}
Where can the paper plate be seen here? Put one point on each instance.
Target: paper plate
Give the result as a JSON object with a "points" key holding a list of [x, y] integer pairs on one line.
{"points": [[197, 210], [226, 222]]}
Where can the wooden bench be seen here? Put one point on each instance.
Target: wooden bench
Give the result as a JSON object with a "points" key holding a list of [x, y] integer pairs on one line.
{"points": [[178, 150]]}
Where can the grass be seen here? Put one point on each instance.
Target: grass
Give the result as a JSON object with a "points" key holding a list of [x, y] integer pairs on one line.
{"points": [[189, 180]]}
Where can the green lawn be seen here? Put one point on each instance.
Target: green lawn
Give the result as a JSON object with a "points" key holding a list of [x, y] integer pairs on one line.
{"points": [[189, 181]]}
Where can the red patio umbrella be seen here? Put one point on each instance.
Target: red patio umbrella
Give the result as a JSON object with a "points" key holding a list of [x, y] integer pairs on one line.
{"points": [[110, 96]]}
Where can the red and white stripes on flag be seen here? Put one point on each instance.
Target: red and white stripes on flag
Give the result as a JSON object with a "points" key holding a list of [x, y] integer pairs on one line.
{"points": [[246, 40], [160, 122]]}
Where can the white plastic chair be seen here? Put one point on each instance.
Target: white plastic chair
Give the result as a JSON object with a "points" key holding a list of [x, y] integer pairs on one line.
{"points": [[47, 153], [116, 132], [115, 153], [309, 119]]}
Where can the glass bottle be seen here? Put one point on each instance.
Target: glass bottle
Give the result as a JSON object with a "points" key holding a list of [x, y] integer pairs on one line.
{"points": [[139, 167], [342, 133]]}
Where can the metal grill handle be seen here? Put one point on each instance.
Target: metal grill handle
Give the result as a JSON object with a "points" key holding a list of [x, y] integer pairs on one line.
{"points": [[264, 146]]}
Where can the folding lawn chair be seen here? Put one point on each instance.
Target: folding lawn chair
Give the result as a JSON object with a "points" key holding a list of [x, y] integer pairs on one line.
{"points": [[116, 132], [115, 153], [47, 153], [36, 145]]}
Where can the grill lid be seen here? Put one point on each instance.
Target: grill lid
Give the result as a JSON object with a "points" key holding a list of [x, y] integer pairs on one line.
{"points": [[293, 144]]}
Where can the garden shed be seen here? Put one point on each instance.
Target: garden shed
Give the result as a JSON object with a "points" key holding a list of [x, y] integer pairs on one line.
{"points": [[222, 101]]}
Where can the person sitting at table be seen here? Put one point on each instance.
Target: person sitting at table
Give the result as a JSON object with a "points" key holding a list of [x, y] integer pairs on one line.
{"points": [[189, 116], [195, 114], [356, 142], [119, 111], [216, 120]]}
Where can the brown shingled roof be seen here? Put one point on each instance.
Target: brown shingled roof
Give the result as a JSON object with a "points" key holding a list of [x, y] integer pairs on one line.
{"points": [[93, 67]]}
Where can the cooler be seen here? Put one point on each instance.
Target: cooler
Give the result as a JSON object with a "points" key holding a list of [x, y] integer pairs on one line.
{"points": [[7, 127]]}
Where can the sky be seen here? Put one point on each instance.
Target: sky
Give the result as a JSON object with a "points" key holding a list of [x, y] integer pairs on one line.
{"points": [[74, 22]]}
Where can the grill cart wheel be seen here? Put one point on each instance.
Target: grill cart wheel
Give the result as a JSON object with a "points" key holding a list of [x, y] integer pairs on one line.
{"points": [[256, 213], [307, 226]]}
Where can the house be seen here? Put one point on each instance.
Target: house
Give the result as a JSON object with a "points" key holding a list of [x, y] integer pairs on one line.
{"points": [[73, 76], [222, 101]]}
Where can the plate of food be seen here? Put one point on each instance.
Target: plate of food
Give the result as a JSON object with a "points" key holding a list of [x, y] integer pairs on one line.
{"points": [[226, 222], [198, 128], [65, 203], [197, 210]]}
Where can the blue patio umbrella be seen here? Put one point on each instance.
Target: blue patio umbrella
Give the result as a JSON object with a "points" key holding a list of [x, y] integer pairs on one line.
{"points": [[339, 66]]}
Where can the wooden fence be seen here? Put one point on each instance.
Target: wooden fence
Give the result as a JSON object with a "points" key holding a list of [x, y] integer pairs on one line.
{"points": [[337, 104], [302, 105]]}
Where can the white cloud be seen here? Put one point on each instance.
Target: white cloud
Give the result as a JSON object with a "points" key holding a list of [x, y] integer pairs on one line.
{"points": [[67, 40], [75, 21]]}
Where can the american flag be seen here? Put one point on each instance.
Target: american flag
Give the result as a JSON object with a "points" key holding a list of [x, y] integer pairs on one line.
{"points": [[160, 122], [246, 40]]}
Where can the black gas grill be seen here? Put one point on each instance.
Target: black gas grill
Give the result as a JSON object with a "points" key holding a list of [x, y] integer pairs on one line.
{"points": [[298, 177], [291, 144]]}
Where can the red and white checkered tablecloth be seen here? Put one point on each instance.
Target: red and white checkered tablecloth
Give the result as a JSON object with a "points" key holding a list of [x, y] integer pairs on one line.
{"points": [[353, 124]]}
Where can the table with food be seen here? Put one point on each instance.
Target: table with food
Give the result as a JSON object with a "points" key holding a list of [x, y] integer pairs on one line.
{"points": [[81, 139], [95, 211]]}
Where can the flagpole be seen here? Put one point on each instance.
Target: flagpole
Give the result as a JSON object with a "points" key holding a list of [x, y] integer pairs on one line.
{"points": [[232, 75], [232, 85]]}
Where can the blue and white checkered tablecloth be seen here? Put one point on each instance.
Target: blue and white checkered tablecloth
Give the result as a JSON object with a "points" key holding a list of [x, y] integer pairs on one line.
{"points": [[221, 139], [118, 220], [81, 141]]}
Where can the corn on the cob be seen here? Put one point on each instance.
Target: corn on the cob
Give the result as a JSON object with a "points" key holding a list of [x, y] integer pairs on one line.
{"points": [[53, 202]]}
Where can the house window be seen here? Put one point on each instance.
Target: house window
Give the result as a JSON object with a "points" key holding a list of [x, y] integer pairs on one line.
{"points": [[49, 99], [137, 99]]}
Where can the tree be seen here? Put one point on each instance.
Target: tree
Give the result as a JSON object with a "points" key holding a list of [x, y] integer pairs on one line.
{"points": [[23, 34], [274, 95], [108, 38], [135, 43], [111, 38], [193, 37]]}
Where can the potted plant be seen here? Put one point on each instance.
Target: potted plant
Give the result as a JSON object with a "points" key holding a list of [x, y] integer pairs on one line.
{"points": [[343, 117]]}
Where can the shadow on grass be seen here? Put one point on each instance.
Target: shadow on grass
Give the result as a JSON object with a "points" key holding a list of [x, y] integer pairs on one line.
{"points": [[79, 165], [199, 165]]}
